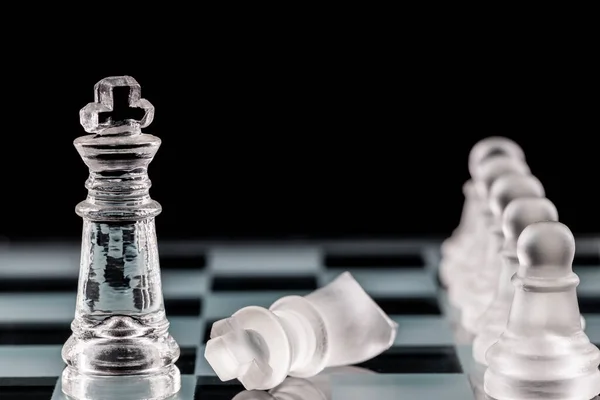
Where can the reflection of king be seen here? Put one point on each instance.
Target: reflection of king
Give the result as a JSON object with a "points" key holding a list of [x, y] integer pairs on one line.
{"points": [[120, 342]]}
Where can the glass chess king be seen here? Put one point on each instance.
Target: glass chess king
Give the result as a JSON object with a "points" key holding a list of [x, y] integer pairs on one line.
{"points": [[120, 347]]}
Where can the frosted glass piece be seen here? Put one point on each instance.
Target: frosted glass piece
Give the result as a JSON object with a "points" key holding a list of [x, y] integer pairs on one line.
{"points": [[544, 352], [518, 214], [456, 247], [483, 283], [336, 325], [495, 167], [490, 147], [483, 244]]}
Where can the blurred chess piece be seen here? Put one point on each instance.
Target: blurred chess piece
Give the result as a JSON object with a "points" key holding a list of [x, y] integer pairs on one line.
{"points": [[455, 248], [484, 280], [318, 387], [336, 325], [483, 235]]}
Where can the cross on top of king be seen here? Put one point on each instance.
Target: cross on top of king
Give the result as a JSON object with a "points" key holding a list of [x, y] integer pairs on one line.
{"points": [[107, 115]]}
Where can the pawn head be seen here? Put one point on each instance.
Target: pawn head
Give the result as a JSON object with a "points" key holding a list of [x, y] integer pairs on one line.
{"points": [[512, 186], [493, 146], [524, 211], [493, 168], [546, 248]]}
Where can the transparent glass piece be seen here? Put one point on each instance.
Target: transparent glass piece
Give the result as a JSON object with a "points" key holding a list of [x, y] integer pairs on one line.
{"points": [[336, 325], [104, 103], [544, 353], [120, 343], [121, 387]]}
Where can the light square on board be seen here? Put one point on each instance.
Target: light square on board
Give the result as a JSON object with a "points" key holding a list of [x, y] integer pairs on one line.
{"points": [[186, 331], [37, 308], [39, 261], [390, 283], [224, 304], [177, 284], [270, 260], [203, 368], [31, 361], [423, 331]]}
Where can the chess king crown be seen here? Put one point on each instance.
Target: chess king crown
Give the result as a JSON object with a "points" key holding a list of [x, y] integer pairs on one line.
{"points": [[120, 326], [117, 153]]}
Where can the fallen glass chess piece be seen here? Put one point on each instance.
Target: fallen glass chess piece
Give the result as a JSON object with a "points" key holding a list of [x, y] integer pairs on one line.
{"points": [[318, 387], [334, 326]]}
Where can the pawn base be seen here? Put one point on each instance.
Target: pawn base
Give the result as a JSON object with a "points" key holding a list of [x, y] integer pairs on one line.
{"points": [[157, 386], [583, 387]]}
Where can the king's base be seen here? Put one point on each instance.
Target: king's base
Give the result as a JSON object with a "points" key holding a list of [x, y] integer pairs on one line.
{"points": [[582, 387], [158, 386]]}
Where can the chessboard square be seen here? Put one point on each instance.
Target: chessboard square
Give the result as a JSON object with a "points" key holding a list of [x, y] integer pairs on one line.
{"points": [[592, 328], [188, 388], [587, 260], [271, 260], [223, 304], [34, 334], [183, 307], [186, 330], [402, 387], [39, 285], [403, 283], [27, 388], [423, 331], [249, 283], [203, 368], [375, 260], [408, 306], [32, 308], [31, 361], [586, 245], [418, 360], [187, 360], [207, 329], [209, 388], [39, 261], [182, 261], [177, 284], [589, 285], [589, 304]]}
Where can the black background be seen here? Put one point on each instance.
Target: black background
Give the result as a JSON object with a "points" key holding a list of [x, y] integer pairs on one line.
{"points": [[295, 142]]}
